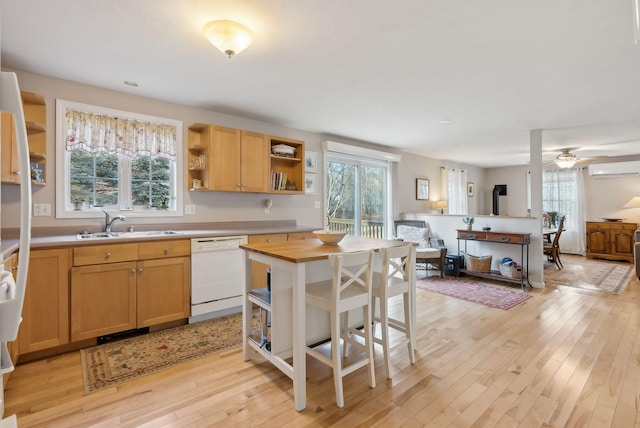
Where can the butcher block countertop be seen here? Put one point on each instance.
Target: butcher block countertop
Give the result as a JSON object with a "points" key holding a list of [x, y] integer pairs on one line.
{"points": [[308, 250]]}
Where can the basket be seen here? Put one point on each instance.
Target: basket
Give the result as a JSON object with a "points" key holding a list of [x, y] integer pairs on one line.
{"points": [[510, 270], [477, 264]]}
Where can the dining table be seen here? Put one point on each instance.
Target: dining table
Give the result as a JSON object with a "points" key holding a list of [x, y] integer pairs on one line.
{"points": [[291, 324]]}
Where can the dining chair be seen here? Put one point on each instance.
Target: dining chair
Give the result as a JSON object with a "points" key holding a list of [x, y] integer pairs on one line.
{"points": [[395, 279], [552, 249], [349, 289]]}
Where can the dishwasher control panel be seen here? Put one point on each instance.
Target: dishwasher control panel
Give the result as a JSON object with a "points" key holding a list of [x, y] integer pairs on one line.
{"points": [[222, 243]]}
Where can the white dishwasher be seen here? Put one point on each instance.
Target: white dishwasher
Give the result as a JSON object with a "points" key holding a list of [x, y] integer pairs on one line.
{"points": [[217, 276]]}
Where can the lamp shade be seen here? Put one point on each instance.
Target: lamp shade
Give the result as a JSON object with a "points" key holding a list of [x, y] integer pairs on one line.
{"points": [[229, 37], [633, 202], [441, 204]]}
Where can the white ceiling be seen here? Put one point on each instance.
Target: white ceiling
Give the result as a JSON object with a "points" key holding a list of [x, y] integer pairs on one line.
{"points": [[385, 72]]}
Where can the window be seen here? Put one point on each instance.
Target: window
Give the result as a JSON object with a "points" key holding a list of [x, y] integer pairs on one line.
{"points": [[454, 183], [116, 161], [357, 195]]}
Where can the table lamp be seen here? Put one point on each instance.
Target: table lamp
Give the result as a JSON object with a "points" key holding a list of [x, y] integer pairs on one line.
{"points": [[443, 204]]}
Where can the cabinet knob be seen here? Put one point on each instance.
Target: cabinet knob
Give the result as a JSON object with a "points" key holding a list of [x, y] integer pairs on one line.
{"points": [[133, 270], [268, 240], [166, 251], [140, 270], [107, 255], [14, 268], [16, 172]]}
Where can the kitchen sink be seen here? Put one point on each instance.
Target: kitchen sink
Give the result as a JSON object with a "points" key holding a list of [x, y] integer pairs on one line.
{"points": [[142, 234]]}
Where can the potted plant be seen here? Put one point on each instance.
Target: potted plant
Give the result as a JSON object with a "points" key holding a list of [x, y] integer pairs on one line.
{"points": [[79, 203], [469, 222]]}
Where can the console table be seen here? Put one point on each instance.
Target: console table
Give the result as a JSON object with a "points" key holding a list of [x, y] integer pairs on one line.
{"points": [[521, 239]]}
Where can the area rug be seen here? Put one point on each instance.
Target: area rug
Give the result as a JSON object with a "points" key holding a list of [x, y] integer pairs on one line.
{"points": [[475, 292], [113, 363], [591, 274]]}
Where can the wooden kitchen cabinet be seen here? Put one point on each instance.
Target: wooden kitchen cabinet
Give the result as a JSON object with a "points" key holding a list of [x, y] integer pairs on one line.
{"points": [[259, 270], [300, 235], [11, 264], [45, 314], [119, 287], [291, 166], [610, 240], [10, 166], [103, 299], [35, 117]]}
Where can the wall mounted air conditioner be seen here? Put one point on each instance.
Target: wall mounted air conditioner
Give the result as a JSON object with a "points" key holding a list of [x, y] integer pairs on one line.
{"points": [[614, 169]]}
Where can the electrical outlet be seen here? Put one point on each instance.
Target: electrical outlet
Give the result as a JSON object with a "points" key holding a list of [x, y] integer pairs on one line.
{"points": [[190, 209], [41, 210], [316, 204]]}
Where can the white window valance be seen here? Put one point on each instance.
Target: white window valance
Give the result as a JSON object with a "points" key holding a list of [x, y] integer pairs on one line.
{"points": [[97, 132]]}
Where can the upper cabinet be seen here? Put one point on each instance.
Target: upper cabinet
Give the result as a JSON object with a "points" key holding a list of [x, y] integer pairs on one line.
{"points": [[35, 115], [227, 159]]}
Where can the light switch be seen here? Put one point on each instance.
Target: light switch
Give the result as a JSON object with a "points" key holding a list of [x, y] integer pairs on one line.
{"points": [[190, 209], [41, 210]]}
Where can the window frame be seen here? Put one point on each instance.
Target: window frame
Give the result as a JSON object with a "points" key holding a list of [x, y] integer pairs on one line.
{"points": [[62, 187]]}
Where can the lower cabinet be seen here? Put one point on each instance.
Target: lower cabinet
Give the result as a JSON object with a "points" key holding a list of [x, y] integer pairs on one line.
{"points": [[45, 314], [610, 240], [150, 289], [259, 270]]}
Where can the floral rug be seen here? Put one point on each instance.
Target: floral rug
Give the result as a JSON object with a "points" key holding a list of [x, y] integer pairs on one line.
{"points": [[113, 363], [590, 274], [475, 292]]}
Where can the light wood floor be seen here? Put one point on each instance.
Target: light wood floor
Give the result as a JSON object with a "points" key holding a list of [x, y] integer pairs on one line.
{"points": [[566, 357]]}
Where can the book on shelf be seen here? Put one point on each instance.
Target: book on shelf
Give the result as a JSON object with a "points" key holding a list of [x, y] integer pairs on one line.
{"points": [[278, 180]]}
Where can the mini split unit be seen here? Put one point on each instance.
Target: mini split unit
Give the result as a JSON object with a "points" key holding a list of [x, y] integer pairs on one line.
{"points": [[615, 169]]}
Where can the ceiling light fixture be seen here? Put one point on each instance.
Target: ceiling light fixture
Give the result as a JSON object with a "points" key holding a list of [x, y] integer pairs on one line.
{"points": [[566, 159], [229, 37]]}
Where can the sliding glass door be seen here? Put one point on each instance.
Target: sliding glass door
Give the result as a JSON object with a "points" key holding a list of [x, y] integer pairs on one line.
{"points": [[356, 195]]}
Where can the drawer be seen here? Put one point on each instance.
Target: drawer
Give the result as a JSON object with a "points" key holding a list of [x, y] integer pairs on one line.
{"points": [[472, 235], [624, 226], [162, 249], [272, 237], [598, 226], [300, 235], [515, 238], [98, 254]]}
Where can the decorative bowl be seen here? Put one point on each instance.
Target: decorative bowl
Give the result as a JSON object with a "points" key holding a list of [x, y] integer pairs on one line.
{"points": [[283, 150], [329, 237]]}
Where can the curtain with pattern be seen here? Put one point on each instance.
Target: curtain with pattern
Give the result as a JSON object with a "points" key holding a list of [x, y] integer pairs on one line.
{"points": [[96, 132]]}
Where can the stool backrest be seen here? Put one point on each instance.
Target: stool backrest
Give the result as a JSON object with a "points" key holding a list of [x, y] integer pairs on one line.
{"points": [[398, 266], [351, 270]]}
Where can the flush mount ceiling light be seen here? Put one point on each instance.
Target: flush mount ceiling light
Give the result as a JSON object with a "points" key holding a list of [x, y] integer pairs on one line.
{"points": [[566, 159], [229, 37]]}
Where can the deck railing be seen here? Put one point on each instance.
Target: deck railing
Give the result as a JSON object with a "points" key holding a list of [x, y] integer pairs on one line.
{"points": [[369, 229]]}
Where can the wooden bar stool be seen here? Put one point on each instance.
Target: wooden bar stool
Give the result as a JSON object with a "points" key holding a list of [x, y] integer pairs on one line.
{"points": [[350, 288], [394, 280]]}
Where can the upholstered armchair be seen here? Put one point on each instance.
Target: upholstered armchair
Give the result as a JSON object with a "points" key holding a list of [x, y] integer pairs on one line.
{"points": [[636, 252], [430, 251]]}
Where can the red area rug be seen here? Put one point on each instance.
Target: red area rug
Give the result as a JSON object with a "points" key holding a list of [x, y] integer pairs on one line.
{"points": [[475, 292]]}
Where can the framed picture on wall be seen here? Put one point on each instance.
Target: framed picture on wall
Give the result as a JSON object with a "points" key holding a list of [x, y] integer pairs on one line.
{"points": [[470, 189], [422, 189], [310, 184], [311, 161]]}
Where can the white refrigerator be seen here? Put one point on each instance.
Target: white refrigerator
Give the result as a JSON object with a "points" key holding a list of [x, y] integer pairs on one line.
{"points": [[12, 292]]}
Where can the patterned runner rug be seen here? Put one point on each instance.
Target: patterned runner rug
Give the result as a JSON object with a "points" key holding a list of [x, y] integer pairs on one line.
{"points": [[113, 363], [475, 292], [591, 274]]}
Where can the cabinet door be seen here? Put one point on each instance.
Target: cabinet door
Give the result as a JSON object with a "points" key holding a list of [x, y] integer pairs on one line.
{"points": [[11, 265], [622, 241], [254, 162], [597, 241], [259, 270], [103, 299], [163, 290], [10, 165], [45, 314], [224, 159]]}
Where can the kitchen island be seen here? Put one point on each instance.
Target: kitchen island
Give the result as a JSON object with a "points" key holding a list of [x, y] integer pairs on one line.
{"points": [[292, 327]]}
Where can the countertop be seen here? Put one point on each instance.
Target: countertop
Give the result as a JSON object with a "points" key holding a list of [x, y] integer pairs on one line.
{"points": [[301, 251], [67, 236]]}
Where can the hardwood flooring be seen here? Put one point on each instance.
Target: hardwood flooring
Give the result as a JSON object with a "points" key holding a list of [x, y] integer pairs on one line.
{"points": [[567, 357]]}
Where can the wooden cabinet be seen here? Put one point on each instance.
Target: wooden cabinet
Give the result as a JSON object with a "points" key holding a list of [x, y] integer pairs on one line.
{"points": [[291, 166], [232, 160], [610, 240], [300, 235], [11, 264], [35, 115], [10, 168], [259, 270], [119, 287], [45, 314]]}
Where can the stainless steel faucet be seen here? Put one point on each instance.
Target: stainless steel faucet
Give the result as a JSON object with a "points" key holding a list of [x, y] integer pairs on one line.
{"points": [[108, 221]]}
